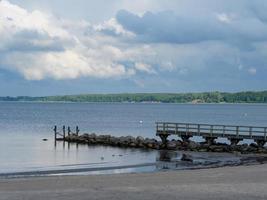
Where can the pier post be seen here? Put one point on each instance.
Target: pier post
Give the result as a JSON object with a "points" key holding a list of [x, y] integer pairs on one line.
{"points": [[69, 131], [77, 130], [64, 133], [55, 131], [163, 138]]}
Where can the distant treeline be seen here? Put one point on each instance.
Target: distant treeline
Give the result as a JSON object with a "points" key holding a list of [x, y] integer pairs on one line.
{"points": [[205, 97]]}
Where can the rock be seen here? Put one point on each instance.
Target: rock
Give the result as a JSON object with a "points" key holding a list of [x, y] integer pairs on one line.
{"points": [[132, 145], [92, 136], [81, 139], [140, 139], [216, 148], [114, 141], [126, 140], [172, 145], [251, 149], [187, 158], [150, 143], [262, 150], [193, 145], [253, 145], [103, 139], [86, 136]]}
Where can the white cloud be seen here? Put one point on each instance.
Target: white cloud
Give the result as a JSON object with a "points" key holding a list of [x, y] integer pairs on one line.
{"points": [[113, 26], [39, 45], [225, 18], [252, 71], [42, 46], [143, 67]]}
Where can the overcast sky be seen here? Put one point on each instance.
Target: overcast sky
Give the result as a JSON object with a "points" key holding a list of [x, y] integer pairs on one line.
{"points": [[84, 46]]}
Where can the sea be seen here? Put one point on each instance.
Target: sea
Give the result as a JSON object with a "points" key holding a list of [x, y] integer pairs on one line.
{"points": [[27, 146]]}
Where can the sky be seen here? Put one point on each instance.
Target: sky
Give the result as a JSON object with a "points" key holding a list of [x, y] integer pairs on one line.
{"points": [[84, 46]]}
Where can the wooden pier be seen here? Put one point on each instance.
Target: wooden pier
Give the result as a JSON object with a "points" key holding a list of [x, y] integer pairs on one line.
{"points": [[65, 132], [210, 132]]}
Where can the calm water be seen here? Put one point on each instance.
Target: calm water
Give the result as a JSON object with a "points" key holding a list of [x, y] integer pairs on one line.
{"points": [[24, 125]]}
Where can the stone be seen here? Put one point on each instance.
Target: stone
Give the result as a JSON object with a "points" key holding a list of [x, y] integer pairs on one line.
{"points": [[150, 145], [92, 136], [172, 145], [140, 139], [132, 145], [193, 145], [216, 148], [253, 145]]}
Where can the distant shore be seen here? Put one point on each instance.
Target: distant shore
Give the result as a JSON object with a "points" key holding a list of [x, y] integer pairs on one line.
{"points": [[227, 183], [193, 98]]}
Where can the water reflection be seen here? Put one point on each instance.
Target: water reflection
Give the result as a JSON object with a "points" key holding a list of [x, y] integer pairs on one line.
{"points": [[167, 156], [188, 160]]}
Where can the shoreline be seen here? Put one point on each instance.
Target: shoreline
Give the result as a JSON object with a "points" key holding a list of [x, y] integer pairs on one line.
{"points": [[142, 103], [241, 182], [151, 168]]}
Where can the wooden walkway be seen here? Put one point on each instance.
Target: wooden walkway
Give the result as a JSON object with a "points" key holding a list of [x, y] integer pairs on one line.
{"points": [[210, 132]]}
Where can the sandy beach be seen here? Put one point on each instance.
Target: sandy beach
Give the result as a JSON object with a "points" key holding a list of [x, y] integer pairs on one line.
{"points": [[242, 182]]}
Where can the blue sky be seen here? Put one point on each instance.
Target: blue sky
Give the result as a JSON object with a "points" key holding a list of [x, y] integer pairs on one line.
{"points": [[83, 46]]}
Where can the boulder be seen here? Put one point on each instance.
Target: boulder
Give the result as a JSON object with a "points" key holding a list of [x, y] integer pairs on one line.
{"points": [[140, 139], [132, 145], [114, 141], [92, 136], [193, 145], [216, 148], [172, 145], [253, 145], [86, 136]]}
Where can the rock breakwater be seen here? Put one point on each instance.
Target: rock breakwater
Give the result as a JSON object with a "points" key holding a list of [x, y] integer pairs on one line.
{"points": [[149, 143]]}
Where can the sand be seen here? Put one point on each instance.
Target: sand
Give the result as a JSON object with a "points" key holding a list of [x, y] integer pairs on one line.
{"points": [[243, 182]]}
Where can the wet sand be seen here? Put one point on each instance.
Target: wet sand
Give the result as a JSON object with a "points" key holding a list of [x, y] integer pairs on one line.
{"points": [[242, 182]]}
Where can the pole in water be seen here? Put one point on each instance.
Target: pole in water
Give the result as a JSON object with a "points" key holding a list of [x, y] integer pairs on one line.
{"points": [[55, 130], [64, 132], [77, 130], [69, 131]]}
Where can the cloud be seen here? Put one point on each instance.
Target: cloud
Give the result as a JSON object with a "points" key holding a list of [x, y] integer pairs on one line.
{"points": [[175, 41], [41, 46], [252, 71], [114, 28], [143, 67], [223, 17], [168, 27]]}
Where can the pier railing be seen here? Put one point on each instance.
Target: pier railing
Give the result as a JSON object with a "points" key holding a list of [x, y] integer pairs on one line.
{"points": [[212, 130]]}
